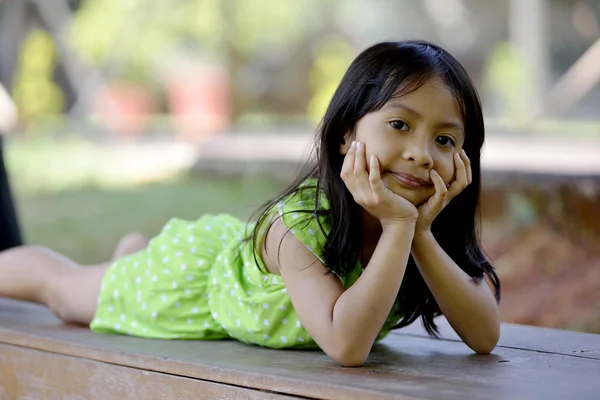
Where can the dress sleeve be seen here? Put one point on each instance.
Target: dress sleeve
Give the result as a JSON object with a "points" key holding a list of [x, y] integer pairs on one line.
{"points": [[307, 221]]}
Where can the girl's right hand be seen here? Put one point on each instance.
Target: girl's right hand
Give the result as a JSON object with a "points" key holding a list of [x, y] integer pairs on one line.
{"points": [[369, 192]]}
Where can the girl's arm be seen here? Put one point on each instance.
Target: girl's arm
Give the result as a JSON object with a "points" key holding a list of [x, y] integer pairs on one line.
{"points": [[344, 324], [469, 307]]}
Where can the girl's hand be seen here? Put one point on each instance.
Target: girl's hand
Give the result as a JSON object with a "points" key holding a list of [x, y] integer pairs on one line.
{"points": [[442, 196], [368, 189]]}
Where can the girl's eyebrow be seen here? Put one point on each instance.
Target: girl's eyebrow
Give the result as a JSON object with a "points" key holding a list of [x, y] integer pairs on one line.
{"points": [[416, 114]]}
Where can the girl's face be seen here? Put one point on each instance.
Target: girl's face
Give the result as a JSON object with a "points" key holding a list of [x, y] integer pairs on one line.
{"points": [[411, 135]]}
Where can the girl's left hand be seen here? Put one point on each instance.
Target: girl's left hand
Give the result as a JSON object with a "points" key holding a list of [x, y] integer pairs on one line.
{"points": [[436, 203]]}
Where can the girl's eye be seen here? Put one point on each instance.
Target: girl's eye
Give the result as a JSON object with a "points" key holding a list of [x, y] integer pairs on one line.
{"points": [[445, 141], [399, 125]]}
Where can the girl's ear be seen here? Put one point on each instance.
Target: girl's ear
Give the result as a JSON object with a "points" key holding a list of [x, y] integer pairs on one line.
{"points": [[346, 142]]}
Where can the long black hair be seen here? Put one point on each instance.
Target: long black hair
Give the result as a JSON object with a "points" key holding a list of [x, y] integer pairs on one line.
{"points": [[383, 71]]}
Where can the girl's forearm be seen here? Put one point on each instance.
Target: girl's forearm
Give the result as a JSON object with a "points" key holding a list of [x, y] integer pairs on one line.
{"points": [[361, 311], [469, 307]]}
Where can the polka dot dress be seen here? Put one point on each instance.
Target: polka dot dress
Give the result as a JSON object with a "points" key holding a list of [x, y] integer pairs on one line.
{"points": [[200, 280]]}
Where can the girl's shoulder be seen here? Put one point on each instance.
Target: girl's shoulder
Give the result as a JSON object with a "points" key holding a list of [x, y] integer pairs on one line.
{"points": [[305, 212]]}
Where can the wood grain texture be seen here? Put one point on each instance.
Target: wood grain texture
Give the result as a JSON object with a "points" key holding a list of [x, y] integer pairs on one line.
{"points": [[545, 340], [406, 365], [27, 374]]}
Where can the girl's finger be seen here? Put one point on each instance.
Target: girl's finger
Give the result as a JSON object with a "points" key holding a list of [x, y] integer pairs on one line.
{"points": [[438, 200], [460, 180], [467, 162], [360, 167], [375, 177]]}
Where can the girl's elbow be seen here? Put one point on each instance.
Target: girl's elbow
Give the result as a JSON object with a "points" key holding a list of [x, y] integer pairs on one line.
{"points": [[487, 344], [348, 355]]}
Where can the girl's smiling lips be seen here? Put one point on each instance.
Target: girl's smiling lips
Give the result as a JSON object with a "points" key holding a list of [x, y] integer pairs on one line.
{"points": [[409, 180]]}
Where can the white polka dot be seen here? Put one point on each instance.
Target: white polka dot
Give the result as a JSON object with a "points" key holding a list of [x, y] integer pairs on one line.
{"points": [[238, 322], [178, 254], [266, 306], [189, 321], [228, 224], [175, 240], [223, 237], [311, 232], [147, 272], [123, 317], [301, 340], [229, 313], [190, 227], [163, 248], [265, 278], [112, 277], [215, 315], [211, 250], [171, 319], [138, 279], [206, 324], [144, 306], [154, 278], [298, 324], [111, 309], [250, 331], [191, 239], [163, 298], [266, 322], [310, 248], [193, 250], [136, 264], [283, 339], [116, 294], [267, 337], [154, 314], [176, 336], [275, 280], [200, 262], [126, 286], [232, 292], [284, 321], [208, 227], [165, 260], [148, 262], [214, 280], [294, 215], [117, 326], [134, 324], [187, 292], [144, 329], [300, 203], [190, 278], [174, 284], [284, 290], [282, 307], [177, 305], [195, 310]]}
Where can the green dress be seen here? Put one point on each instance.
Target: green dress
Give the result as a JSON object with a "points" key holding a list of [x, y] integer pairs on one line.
{"points": [[200, 280]]}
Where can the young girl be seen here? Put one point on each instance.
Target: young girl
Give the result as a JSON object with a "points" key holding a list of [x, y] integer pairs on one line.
{"points": [[378, 230]]}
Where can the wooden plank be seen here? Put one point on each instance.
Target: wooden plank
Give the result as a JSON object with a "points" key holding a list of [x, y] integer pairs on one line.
{"points": [[403, 366], [33, 374], [555, 341]]}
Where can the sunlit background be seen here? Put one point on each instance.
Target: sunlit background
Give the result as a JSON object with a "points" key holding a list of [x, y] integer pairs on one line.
{"points": [[119, 114]]}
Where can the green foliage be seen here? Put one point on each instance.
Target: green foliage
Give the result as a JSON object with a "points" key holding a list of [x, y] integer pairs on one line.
{"points": [[34, 91]]}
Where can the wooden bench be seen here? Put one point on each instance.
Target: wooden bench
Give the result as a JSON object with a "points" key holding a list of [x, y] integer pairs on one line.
{"points": [[41, 358]]}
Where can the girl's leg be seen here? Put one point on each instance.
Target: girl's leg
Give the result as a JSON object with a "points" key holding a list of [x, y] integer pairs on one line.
{"points": [[38, 274]]}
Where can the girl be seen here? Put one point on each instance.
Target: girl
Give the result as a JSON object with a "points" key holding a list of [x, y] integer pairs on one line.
{"points": [[378, 230]]}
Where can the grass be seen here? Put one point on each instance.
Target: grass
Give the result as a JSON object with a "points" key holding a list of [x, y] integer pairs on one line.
{"points": [[66, 204]]}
